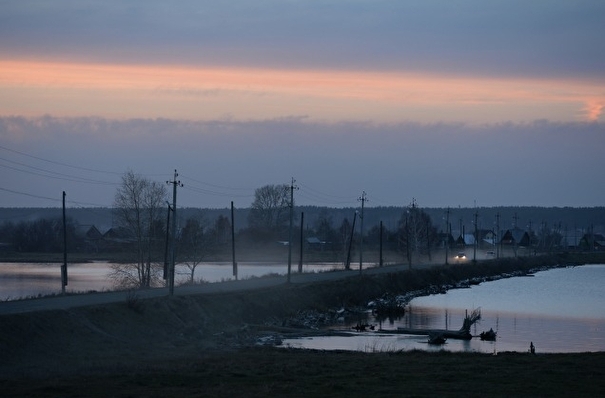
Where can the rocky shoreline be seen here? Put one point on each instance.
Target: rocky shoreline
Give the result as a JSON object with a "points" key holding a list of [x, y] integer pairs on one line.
{"points": [[228, 321], [306, 322]]}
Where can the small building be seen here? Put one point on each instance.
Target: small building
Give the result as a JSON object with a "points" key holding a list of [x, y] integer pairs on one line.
{"points": [[592, 241], [314, 243], [515, 237]]}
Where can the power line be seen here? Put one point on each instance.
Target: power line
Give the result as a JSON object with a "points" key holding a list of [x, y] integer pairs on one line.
{"points": [[30, 195], [58, 163], [49, 174]]}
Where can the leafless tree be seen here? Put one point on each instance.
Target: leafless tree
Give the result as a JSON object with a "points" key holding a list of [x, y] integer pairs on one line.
{"points": [[269, 211], [139, 208], [193, 244]]}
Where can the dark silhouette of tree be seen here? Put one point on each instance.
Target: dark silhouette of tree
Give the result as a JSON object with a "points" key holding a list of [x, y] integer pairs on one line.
{"points": [[269, 212], [42, 235], [139, 208], [417, 235], [193, 244]]}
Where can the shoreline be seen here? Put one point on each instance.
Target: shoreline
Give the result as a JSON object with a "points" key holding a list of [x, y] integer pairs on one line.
{"points": [[168, 344]]}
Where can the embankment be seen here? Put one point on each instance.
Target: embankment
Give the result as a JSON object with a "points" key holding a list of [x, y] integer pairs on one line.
{"points": [[141, 333]]}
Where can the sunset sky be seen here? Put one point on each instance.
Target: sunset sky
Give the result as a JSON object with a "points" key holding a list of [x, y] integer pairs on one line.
{"points": [[453, 103]]}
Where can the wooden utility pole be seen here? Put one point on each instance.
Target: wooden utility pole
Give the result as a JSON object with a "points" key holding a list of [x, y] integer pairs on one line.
{"points": [[476, 238], [302, 233], [363, 198], [64, 266], [447, 234], [348, 264], [166, 267], [381, 262], [175, 184], [498, 237], [233, 241], [292, 187]]}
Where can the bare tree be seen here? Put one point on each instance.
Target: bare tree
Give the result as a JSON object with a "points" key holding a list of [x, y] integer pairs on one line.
{"points": [[193, 244], [417, 235], [269, 211], [139, 208]]}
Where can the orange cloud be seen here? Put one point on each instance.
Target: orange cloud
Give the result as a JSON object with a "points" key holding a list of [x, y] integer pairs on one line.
{"points": [[68, 89], [594, 109]]}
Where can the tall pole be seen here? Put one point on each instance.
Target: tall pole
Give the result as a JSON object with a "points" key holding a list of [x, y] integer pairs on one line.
{"points": [[348, 264], [498, 237], [476, 238], [300, 260], [291, 224], [447, 234], [380, 263], [166, 249], [363, 199], [233, 242], [64, 267], [174, 183]]}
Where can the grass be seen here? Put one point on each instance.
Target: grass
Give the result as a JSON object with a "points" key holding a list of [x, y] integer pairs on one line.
{"points": [[189, 346], [261, 372]]}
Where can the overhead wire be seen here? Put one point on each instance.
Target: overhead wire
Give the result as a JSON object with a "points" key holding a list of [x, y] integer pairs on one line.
{"points": [[58, 163]]}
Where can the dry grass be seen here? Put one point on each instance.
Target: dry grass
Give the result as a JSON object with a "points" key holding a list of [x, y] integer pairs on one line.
{"points": [[266, 372]]}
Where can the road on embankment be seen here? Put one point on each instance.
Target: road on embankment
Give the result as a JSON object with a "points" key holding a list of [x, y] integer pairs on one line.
{"points": [[86, 299]]}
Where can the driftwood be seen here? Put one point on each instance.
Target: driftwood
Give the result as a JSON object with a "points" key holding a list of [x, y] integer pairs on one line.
{"points": [[490, 335], [463, 334]]}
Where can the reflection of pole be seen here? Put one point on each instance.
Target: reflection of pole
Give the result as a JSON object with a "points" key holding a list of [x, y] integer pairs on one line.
{"points": [[174, 183], [233, 242], [348, 263], [64, 267]]}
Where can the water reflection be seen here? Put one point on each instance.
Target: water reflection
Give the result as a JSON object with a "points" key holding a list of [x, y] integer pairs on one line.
{"points": [[21, 280], [564, 311]]}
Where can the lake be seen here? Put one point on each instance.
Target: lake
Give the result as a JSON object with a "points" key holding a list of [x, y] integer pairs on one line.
{"points": [[560, 310], [21, 280]]}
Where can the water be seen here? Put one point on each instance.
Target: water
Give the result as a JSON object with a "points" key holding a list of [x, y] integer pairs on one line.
{"points": [[21, 280], [560, 310]]}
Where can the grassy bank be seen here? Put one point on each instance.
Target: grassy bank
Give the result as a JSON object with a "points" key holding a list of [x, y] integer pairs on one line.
{"points": [[286, 373], [200, 346]]}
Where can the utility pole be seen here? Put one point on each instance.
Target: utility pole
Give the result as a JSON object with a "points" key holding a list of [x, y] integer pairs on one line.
{"points": [[233, 242], [166, 267], [381, 261], [64, 267], [498, 248], [302, 233], [348, 264], [363, 198], [447, 234], [292, 187], [175, 184], [476, 238], [515, 243]]}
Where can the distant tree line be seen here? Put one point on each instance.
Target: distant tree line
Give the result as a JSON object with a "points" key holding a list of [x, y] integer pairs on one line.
{"points": [[40, 236], [142, 232]]}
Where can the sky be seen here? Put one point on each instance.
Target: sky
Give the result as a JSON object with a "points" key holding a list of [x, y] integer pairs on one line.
{"points": [[466, 103]]}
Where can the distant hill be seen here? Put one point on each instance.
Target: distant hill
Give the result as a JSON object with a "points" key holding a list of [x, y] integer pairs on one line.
{"points": [[563, 218]]}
